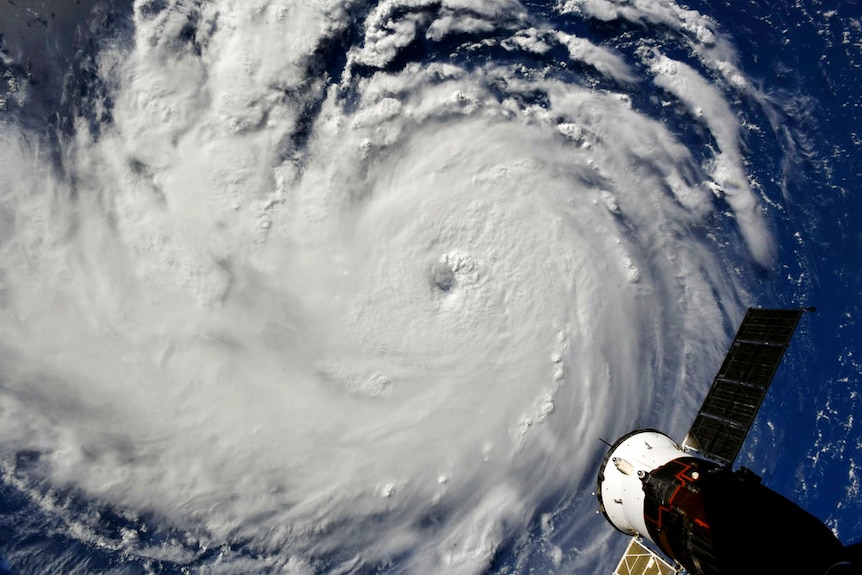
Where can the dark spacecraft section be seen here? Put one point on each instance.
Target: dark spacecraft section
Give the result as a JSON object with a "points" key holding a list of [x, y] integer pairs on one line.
{"points": [[675, 514], [739, 387], [715, 521]]}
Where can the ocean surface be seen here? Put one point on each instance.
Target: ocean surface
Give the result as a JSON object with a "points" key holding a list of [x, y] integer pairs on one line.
{"points": [[354, 287]]}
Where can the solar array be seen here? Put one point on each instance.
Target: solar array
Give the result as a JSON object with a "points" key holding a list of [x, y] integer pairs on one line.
{"points": [[640, 560], [740, 385]]}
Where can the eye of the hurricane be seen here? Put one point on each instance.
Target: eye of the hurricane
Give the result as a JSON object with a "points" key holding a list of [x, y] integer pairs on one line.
{"points": [[443, 277], [454, 270]]}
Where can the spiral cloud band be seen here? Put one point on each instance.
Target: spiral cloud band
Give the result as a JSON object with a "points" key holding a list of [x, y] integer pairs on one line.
{"points": [[326, 287]]}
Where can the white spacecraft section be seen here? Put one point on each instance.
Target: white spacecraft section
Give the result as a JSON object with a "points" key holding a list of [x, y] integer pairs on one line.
{"points": [[622, 490]]}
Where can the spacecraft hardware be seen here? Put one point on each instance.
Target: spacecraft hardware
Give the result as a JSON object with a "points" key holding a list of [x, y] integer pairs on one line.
{"points": [[687, 500]]}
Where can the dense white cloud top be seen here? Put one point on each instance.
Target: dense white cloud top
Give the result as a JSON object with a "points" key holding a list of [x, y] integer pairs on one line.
{"points": [[345, 305]]}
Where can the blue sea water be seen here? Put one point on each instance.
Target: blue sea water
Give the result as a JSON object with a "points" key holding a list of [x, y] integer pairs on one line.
{"points": [[800, 147], [805, 437]]}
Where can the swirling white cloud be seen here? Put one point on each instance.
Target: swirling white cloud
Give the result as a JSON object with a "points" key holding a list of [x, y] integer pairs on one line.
{"points": [[370, 314]]}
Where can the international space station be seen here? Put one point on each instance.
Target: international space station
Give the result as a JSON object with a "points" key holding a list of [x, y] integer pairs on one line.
{"points": [[689, 502]]}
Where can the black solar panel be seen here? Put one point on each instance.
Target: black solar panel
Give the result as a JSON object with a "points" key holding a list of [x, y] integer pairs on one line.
{"points": [[739, 387]]}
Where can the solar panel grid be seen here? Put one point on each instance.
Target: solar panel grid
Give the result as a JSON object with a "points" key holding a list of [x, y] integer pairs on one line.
{"points": [[729, 409]]}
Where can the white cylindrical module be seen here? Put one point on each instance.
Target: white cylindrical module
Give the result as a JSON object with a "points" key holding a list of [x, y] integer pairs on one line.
{"points": [[620, 489]]}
